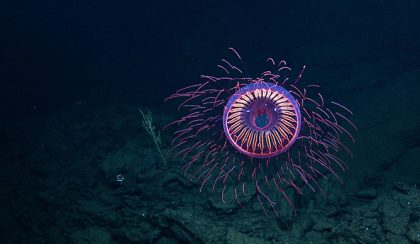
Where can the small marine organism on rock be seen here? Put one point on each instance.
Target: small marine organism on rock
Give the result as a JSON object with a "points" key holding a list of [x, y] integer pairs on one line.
{"points": [[147, 124]]}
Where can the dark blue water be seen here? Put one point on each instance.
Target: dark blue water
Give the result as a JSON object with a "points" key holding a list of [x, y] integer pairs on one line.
{"points": [[78, 167]]}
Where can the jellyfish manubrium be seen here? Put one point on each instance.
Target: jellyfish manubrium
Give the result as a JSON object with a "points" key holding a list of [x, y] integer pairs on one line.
{"points": [[264, 136]]}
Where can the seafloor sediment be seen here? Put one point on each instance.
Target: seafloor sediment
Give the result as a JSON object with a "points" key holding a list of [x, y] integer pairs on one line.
{"points": [[60, 184]]}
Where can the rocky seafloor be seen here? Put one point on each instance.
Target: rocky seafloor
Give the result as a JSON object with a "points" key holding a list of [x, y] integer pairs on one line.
{"points": [[59, 184]]}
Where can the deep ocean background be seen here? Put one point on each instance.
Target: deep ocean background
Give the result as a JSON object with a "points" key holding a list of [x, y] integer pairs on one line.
{"points": [[72, 74]]}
